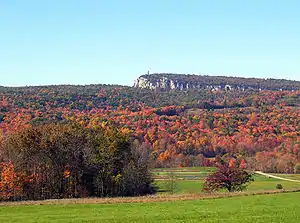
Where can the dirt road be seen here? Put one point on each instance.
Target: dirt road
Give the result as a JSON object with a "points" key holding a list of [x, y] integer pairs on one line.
{"points": [[276, 177]]}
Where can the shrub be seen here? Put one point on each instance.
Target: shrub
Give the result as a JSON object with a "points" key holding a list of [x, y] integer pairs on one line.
{"points": [[279, 187]]}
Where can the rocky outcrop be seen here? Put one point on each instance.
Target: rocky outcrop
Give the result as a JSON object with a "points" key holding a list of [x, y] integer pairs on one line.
{"points": [[214, 83], [168, 83]]}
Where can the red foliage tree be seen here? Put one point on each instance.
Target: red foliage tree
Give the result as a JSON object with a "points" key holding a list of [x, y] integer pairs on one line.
{"points": [[243, 164], [229, 178]]}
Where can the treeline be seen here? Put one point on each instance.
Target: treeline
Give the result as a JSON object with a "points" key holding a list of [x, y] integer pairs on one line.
{"points": [[182, 128], [85, 98], [70, 161]]}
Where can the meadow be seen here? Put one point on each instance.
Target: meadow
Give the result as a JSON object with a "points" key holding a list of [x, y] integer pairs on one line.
{"points": [[190, 180], [279, 207]]}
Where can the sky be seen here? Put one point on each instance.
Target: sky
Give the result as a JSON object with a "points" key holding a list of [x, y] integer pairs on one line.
{"points": [[115, 41]]}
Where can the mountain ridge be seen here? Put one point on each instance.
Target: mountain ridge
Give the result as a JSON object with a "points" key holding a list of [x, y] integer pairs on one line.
{"points": [[171, 81]]}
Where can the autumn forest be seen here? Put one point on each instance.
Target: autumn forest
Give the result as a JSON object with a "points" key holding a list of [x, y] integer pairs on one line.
{"points": [[258, 129]]}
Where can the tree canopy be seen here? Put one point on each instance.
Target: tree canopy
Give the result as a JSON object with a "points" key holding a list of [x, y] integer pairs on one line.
{"points": [[68, 160]]}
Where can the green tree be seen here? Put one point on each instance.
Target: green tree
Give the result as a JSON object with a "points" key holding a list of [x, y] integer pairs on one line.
{"points": [[68, 160]]}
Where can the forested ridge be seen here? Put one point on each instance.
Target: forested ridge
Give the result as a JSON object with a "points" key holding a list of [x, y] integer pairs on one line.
{"points": [[260, 129], [204, 81]]}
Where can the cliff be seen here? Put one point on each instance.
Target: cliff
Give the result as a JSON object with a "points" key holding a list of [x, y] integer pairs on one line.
{"points": [[184, 82]]}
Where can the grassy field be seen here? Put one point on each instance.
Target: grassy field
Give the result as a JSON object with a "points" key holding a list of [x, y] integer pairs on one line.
{"points": [[187, 205], [190, 180], [282, 207]]}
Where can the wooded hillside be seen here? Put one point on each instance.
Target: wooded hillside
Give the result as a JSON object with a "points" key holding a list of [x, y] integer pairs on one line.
{"points": [[179, 128]]}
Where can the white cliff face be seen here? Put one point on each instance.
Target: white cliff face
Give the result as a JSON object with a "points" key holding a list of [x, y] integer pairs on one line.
{"points": [[164, 83], [161, 83], [144, 83], [172, 84], [228, 87], [183, 82], [169, 84]]}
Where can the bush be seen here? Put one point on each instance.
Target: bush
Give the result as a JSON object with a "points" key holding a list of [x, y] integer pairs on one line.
{"points": [[279, 187]]}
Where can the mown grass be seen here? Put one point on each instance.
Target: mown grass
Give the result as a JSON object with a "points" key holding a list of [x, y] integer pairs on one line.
{"points": [[190, 180], [259, 208], [266, 183], [188, 204]]}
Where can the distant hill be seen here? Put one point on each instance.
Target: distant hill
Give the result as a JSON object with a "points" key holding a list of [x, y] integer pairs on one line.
{"points": [[192, 91], [168, 81], [190, 127]]}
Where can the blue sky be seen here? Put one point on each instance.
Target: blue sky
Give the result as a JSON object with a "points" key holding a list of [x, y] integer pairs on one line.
{"points": [[95, 41]]}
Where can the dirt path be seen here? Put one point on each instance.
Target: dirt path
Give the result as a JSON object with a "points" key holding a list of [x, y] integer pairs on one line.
{"points": [[276, 177]]}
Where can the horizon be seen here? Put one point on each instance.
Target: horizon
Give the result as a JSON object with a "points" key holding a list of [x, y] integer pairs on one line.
{"points": [[98, 42], [49, 85]]}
